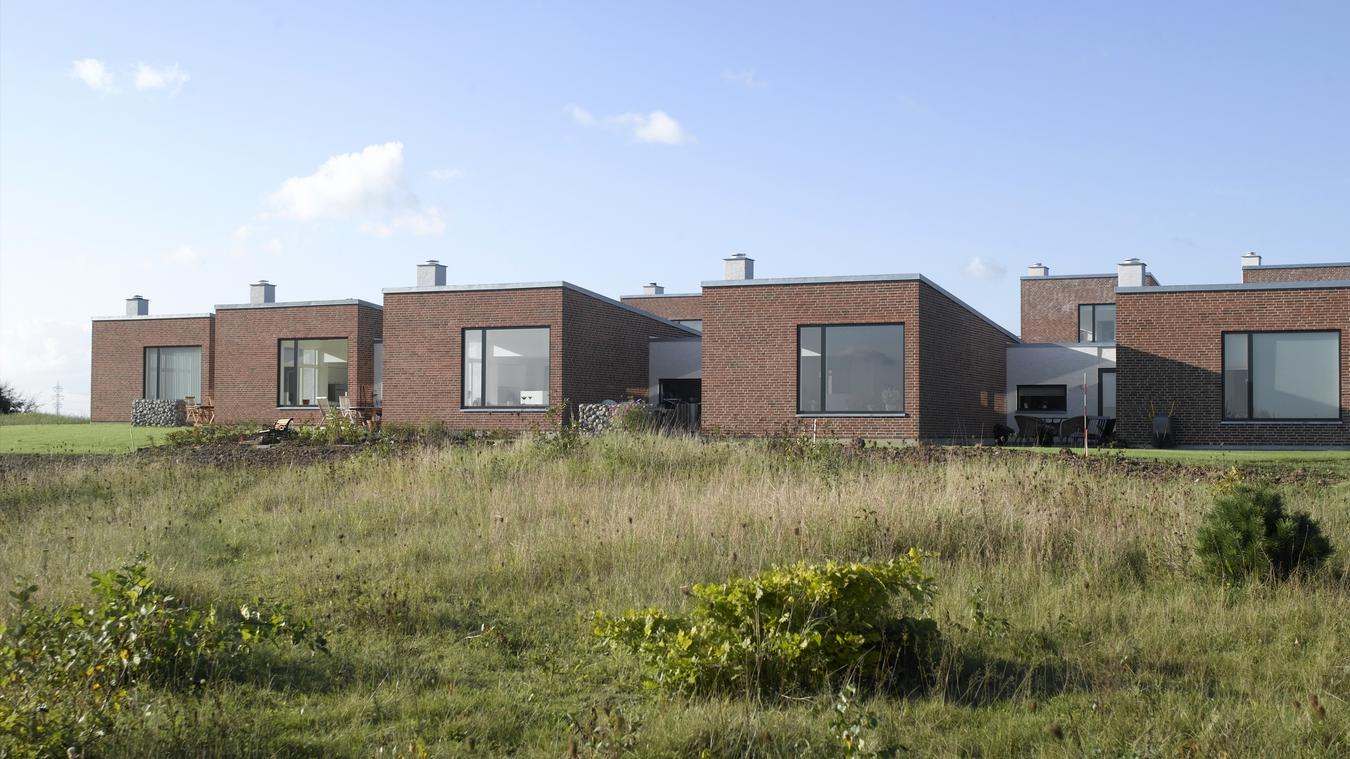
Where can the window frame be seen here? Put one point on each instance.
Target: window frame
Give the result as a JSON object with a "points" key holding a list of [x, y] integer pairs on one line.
{"points": [[1064, 410], [277, 373], [685, 323], [145, 352], [1094, 340], [824, 327], [463, 351], [1101, 411], [1251, 369]]}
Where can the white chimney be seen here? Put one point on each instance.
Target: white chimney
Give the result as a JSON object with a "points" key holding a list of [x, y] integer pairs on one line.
{"points": [[1038, 270], [137, 306], [431, 274], [651, 288], [1130, 273], [262, 291], [1251, 259], [739, 266]]}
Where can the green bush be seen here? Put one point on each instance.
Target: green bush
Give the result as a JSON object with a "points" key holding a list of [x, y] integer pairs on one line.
{"points": [[633, 417], [210, 434], [787, 630], [66, 673], [1248, 533], [336, 429]]}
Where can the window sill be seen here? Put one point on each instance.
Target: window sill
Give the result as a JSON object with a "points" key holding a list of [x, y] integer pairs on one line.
{"points": [[507, 409], [300, 408], [1308, 422], [855, 415]]}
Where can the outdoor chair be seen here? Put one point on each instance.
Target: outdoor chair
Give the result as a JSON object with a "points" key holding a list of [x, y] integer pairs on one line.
{"points": [[325, 407], [1028, 429], [276, 433]]}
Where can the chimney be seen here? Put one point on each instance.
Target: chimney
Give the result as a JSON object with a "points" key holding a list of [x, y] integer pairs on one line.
{"points": [[1251, 259], [1130, 273], [137, 306], [262, 291], [739, 266], [651, 288], [1038, 270], [431, 274]]}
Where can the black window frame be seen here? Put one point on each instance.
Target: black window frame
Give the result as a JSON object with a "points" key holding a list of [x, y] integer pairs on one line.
{"points": [[797, 358], [463, 358], [1063, 410], [1101, 411], [145, 352], [1249, 418], [685, 323], [1094, 340], [277, 373]]}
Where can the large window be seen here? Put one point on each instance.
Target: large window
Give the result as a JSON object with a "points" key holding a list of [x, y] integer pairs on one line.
{"points": [[851, 369], [1282, 375], [1043, 398], [310, 370], [506, 368], [1106, 393], [1097, 323], [173, 373]]}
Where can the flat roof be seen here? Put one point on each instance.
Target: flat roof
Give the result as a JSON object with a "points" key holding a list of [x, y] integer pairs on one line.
{"points": [[534, 286], [1343, 264], [151, 316], [1323, 284], [664, 295], [301, 304], [1148, 274], [860, 278]]}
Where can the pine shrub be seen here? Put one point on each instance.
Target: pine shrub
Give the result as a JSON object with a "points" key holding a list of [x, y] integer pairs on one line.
{"points": [[1248, 533]]}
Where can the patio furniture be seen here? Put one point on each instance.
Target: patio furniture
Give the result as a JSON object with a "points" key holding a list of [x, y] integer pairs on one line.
{"points": [[1028, 428], [325, 407], [202, 413], [276, 433]]}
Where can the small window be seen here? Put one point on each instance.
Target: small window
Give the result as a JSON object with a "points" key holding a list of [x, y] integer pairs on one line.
{"points": [[311, 369], [694, 324], [1291, 376], [1106, 393], [1043, 398], [1097, 323], [851, 369], [506, 368], [173, 373]]}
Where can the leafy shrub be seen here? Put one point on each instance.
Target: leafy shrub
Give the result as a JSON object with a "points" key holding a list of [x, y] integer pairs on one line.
{"points": [[786, 630], [633, 417], [66, 673], [210, 434], [1248, 533], [336, 429]]}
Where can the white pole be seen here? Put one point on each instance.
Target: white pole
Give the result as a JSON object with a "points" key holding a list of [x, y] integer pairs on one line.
{"points": [[1085, 416]]}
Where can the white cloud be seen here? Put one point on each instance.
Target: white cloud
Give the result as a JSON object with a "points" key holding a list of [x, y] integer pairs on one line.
{"points": [[979, 268], [273, 247], [746, 78], [169, 78], [424, 222], [37, 354], [655, 127], [445, 174], [184, 255], [92, 72], [243, 231], [345, 185]]}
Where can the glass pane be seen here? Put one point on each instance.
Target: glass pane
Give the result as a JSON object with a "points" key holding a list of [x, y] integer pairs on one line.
{"points": [[517, 367], [1107, 389], [1104, 324], [180, 373], [808, 369], [691, 323], [311, 370], [379, 374], [1085, 324], [286, 389], [1235, 375], [864, 368], [152, 373], [1295, 375], [1042, 397], [473, 367]]}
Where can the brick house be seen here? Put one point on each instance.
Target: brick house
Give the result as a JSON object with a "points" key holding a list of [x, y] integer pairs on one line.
{"points": [[143, 356]]}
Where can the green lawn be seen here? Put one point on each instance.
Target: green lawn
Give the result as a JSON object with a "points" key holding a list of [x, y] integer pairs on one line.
{"points": [[101, 437]]}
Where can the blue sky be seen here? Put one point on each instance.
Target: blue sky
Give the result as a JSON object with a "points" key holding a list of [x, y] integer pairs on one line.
{"points": [[329, 147]]}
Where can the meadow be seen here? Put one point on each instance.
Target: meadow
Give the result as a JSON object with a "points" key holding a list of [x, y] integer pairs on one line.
{"points": [[457, 587]]}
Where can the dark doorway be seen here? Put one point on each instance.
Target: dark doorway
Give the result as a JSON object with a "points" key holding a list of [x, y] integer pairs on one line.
{"points": [[672, 391]]}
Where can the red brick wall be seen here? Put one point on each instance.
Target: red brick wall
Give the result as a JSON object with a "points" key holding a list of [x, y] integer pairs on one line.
{"points": [[963, 373], [605, 349], [750, 358], [1169, 349], [1296, 273], [670, 306], [1050, 306], [247, 355], [117, 365]]}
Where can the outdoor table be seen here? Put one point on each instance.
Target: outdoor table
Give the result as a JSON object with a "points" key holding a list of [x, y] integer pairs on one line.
{"points": [[201, 414]]}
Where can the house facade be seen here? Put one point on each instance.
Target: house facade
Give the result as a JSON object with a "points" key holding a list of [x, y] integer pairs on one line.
{"points": [[1261, 362]]}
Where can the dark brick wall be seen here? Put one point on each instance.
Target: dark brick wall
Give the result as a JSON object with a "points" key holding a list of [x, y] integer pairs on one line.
{"points": [[247, 355], [750, 358], [1169, 349], [117, 364], [597, 351], [1296, 274], [963, 373], [670, 306], [1050, 306]]}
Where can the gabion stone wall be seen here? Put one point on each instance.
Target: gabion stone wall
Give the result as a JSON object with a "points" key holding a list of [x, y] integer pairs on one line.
{"points": [[595, 418], [154, 413]]}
